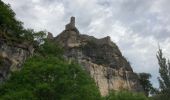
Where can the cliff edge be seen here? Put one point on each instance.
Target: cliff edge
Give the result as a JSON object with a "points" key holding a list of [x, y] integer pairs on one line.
{"points": [[101, 58]]}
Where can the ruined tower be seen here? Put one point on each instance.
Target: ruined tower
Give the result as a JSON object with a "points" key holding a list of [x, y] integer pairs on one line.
{"points": [[71, 25], [72, 21]]}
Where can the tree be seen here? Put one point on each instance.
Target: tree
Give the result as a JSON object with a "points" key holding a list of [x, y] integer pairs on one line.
{"points": [[12, 29], [145, 82], [39, 37], [28, 35], [164, 71], [9, 25]]}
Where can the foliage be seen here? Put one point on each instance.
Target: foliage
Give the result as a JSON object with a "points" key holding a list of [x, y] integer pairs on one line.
{"points": [[39, 36], [125, 95], [28, 35], [35, 38], [164, 79], [50, 49], [8, 23], [49, 78], [146, 84], [12, 30]]}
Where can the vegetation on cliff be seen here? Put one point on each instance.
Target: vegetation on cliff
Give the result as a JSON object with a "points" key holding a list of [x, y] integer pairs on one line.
{"points": [[12, 30], [47, 76], [9, 25]]}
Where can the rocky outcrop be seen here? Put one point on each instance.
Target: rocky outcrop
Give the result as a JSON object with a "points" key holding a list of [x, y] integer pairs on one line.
{"points": [[50, 36], [101, 58], [12, 56]]}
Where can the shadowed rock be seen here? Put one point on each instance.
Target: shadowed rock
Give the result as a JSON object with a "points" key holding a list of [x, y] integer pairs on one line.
{"points": [[50, 36], [71, 25], [101, 58], [12, 56]]}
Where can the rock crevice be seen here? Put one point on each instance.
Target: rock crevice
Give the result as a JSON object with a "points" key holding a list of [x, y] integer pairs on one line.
{"points": [[12, 57]]}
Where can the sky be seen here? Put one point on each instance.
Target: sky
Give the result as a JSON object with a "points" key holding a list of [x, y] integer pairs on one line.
{"points": [[136, 26]]}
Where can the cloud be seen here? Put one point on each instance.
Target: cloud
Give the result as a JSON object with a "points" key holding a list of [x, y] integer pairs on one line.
{"points": [[137, 26]]}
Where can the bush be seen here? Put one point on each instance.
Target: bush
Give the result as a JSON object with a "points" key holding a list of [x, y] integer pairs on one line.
{"points": [[125, 95]]}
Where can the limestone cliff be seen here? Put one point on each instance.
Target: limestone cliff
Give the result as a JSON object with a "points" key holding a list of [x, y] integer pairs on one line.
{"points": [[12, 56], [101, 58]]}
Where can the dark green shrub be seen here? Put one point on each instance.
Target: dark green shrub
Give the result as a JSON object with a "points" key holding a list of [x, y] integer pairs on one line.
{"points": [[125, 95]]}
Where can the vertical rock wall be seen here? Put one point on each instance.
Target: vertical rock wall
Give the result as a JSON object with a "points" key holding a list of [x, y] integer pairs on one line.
{"points": [[101, 58], [12, 57]]}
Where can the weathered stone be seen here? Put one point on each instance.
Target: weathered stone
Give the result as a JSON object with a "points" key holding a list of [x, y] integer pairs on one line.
{"points": [[12, 57], [50, 36], [101, 58], [71, 25]]}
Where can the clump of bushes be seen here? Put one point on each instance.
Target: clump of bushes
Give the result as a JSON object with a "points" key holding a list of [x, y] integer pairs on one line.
{"points": [[125, 95]]}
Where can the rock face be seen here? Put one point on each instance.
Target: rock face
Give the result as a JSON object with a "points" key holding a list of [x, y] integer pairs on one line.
{"points": [[50, 36], [12, 56], [101, 58]]}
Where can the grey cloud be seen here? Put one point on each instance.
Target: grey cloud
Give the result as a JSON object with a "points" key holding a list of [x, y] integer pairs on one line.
{"points": [[142, 16]]}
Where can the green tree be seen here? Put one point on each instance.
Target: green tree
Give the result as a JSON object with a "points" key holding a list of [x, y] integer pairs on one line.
{"points": [[39, 37], [46, 76], [35, 38], [28, 35], [145, 82], [164, 79], [9, 25]]}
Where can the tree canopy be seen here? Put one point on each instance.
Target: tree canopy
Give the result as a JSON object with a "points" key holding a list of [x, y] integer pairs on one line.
{"points": [[9, 25], [11, 29]]}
